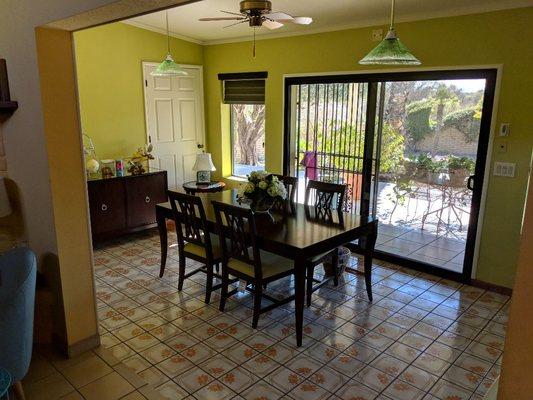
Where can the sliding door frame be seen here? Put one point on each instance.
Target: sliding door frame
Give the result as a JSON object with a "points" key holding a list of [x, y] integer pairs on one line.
{"points": [[491, 74]]}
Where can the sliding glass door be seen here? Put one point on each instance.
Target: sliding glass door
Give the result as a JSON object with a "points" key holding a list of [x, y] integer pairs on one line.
{"points": [[411, 147]]}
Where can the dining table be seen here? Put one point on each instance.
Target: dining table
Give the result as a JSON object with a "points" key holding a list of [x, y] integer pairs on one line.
{"points": [[298, 232]]}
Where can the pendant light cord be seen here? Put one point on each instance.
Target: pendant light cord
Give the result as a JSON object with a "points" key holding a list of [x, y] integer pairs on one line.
{"points": [[392, 15], [168, 33]]}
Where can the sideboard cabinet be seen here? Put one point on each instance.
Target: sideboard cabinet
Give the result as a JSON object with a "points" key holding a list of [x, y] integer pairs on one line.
{"points": [[125, 204]]}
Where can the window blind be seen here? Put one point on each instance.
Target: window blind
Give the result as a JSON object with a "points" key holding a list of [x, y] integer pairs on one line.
{"points": [[243, 88]]}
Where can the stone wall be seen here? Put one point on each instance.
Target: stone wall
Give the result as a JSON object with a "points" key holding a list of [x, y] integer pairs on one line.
{"points": [[451, 141]]}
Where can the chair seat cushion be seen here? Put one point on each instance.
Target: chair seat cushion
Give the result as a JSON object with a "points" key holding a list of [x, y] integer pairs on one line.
{"points": [[319, 257], [271, 264], [199, 251]]}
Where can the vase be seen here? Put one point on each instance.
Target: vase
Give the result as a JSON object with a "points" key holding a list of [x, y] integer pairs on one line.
{"points": [[262, 205]]}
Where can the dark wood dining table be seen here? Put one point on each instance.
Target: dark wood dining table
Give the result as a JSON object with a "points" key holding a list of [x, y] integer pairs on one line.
{"points": [[298, 233]]}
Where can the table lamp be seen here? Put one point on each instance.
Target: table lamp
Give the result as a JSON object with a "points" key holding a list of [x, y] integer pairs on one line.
{"points": [[5, 205], [203, 167]]}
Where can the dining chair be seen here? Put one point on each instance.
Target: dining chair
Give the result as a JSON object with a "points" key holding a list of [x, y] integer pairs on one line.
{"points": [[194, 240], [242, 258], [291, 184], [325, 197]]}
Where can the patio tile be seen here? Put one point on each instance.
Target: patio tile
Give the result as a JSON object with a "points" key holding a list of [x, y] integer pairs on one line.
{"points": [[435, 252]]}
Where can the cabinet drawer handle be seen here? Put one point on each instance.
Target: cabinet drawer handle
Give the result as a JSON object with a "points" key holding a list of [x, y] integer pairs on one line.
{"points": [[104, 207], [147, 199]]}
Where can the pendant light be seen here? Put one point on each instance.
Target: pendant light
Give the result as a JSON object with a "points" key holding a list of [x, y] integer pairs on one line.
{"points": [[390, 51], [168, 67]]}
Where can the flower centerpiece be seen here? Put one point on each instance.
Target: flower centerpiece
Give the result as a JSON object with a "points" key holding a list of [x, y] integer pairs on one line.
{"points": [[262, 189], [138, 162]]}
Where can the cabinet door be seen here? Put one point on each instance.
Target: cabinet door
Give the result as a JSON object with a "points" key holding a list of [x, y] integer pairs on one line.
{"points": [[107, 205], [142, 194]]}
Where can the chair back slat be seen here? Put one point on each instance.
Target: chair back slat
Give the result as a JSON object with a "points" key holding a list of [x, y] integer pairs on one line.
{"points": [[238, 232], [325, 195], [191, 222]]}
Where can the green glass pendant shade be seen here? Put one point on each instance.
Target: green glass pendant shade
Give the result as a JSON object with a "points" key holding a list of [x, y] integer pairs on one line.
{"points": [[168, 68], [390, 52]]}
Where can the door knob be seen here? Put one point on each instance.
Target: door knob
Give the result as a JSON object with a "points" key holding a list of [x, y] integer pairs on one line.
{"points": [[200, 146], [147, 199]]}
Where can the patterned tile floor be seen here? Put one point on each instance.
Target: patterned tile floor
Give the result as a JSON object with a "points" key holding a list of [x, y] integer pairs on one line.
{"points": [[422, 338]]}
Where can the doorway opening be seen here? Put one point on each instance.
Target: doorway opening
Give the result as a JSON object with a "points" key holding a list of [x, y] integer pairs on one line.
{"points": [[411, 148]]}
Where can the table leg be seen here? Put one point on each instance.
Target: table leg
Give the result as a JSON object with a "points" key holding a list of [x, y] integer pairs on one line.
{"points": [[163, 238], [368, 245], [299, 295]]}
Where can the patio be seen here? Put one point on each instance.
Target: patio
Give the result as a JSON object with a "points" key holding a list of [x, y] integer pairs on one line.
{"points": [[427, 226]]}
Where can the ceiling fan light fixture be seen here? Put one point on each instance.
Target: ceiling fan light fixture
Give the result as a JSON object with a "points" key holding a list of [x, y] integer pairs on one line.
{"points": [[168, 67], [391, 51]]}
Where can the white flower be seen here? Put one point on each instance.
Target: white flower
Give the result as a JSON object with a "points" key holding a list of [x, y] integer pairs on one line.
{"points": [[249, 188], [263, 185]]}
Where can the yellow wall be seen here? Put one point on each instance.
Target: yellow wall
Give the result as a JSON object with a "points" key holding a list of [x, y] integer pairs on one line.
{"points": [[515, 381], [491, 38], [108, 61]]}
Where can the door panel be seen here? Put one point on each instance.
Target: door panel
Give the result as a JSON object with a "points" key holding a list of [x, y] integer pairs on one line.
{"points": [[174, 122], [107, 205], [143, 193]]}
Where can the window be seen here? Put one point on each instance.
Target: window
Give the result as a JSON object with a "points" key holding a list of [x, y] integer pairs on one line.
{"points": [[247, 138], [245, 94]]}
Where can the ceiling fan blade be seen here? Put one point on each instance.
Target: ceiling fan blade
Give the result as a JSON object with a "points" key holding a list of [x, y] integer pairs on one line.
{"points": [[302, 20], [222, 19], [236, 23], [229, 12], [278, 15], [269, 24]]}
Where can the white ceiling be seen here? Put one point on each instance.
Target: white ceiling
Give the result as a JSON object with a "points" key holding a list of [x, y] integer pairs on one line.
{"points": [[327, 15]]}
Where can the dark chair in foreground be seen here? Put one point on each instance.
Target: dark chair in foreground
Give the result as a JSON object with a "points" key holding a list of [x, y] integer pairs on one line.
{"points": [[326, 198], [243, 259], [18, 272], [194, 240]]}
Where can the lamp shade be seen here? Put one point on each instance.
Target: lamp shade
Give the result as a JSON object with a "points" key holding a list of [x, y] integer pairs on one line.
{"points": [[5, 205], [390, 52], [204, 163], [168, 68]]}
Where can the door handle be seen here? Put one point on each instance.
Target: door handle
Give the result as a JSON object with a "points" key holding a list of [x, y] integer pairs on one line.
{"points": [[200, 146], [470, 182]]}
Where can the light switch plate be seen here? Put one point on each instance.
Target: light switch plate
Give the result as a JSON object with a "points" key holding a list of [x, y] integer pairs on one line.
{"points": [[377, 35], [504, 169], [505, 129]]}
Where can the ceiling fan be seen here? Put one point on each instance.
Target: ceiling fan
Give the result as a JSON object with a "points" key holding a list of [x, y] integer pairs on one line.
{"points": [[259, 13]]}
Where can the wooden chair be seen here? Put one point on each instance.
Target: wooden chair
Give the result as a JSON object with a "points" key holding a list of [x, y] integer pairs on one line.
{"points": [[325, 197], [194, 240], [291, 184], [241, 257]]}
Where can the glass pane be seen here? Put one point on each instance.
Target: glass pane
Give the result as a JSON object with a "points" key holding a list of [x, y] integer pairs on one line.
{"points": [[328, 134], [429, 140], [248, 138]]}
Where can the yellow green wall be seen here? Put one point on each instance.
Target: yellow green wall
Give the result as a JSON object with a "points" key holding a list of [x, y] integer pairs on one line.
{"points": [[109, 70], [491, 38]]}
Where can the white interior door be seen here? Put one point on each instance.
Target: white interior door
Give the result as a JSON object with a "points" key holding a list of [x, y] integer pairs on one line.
{"points": [[174, 109]]}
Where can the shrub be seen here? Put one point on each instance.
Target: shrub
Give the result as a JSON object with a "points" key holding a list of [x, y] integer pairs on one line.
{"points": [[417, 123], [466, 121]]}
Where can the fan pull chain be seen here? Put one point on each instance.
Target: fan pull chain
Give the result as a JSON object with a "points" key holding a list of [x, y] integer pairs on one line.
{"points": [[254, 42]]}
